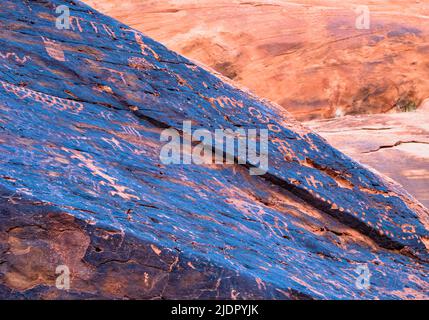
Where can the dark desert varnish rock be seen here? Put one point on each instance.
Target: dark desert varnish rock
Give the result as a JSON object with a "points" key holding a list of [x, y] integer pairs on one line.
{"points": [[82, 185]]}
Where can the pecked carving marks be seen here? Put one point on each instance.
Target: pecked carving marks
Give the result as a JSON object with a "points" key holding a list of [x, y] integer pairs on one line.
{"points": [[54, 49], [15, 57], [46, 100], [89, 163]]}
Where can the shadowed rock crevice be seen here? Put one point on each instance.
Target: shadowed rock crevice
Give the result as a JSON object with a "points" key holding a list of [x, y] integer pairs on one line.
{"points": [[398, 143]]}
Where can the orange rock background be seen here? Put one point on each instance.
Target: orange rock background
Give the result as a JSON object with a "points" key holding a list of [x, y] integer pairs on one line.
{"points": [[307, 56]]}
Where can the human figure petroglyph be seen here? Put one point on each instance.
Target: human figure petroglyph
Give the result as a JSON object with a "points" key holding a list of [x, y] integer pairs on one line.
{"points": [[75, 23], [45, 99], [109, 30], [311, 181], [94, 26], [80, 24]]}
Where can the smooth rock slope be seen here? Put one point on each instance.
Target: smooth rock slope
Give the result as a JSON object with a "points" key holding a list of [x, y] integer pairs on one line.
{"points": [[82, 184]]}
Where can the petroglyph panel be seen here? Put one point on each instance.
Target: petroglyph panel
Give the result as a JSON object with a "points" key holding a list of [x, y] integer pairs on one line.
{"points": [[80, 146]]}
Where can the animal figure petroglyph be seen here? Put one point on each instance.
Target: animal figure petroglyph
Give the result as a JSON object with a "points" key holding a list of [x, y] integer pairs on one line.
{"points": [[90, 164]]}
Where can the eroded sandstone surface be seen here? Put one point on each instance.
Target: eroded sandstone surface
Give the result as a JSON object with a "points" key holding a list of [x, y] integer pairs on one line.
{"points": [[82, 184], [306, 55]]}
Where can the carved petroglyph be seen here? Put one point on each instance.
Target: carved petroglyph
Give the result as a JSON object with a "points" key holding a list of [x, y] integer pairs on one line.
{"points": [[112, 75], [45, 99], [223, 101], [254, 112], [131, 131], [143, 47], [83, 25], [109, 30], [284, 148], [116, 74], [139, 63], [89, 163], [281, 216], [115, 144], [54, 49], [94, 26], [313, 182], [75, 23], [182, 82], [14, 57]]}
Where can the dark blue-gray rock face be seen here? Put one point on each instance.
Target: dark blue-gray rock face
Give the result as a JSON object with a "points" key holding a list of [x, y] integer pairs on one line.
{"points": [[82, 184]]}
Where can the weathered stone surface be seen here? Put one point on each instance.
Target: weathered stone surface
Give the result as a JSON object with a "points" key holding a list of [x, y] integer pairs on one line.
{"points": [[306, 55], [82, 185], [395, 144], [313, 61]]}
